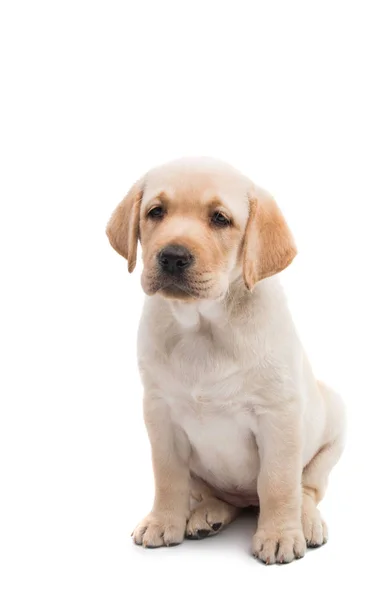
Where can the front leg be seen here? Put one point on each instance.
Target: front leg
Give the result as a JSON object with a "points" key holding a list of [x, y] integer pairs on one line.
{"points": [[279, 537], [165, 524]]}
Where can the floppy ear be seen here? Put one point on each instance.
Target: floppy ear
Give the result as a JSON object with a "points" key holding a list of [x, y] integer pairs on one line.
{"points": [[123, 227], [268, 243]]}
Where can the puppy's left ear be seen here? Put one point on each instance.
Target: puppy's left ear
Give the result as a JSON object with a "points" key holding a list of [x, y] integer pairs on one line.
{"points": [[268, 243], [123, 227]]}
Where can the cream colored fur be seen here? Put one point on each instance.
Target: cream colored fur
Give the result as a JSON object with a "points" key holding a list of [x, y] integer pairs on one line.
{"points": [[233, 411]]}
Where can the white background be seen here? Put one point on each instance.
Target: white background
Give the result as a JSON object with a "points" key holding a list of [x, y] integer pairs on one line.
{"points": [[296, 95]]}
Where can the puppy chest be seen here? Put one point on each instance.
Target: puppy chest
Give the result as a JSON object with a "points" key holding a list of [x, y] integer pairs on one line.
{"points": [[200, 366]]}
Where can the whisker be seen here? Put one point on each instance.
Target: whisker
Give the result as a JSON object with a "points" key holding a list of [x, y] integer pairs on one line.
{"points": [[200, 287]]}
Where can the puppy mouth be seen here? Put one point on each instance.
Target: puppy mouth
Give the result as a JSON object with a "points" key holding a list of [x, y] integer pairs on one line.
{"points": [[178, 288], [178, 292]]}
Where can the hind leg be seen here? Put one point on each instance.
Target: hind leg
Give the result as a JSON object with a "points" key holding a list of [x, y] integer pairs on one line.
{"points": [[210, 515], [315, 474]]}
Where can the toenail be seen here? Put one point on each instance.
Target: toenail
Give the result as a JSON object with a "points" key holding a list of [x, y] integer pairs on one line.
{"points": [[203, 533]]}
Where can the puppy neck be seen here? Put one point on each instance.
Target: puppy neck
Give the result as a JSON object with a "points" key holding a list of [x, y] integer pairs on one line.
{"points": [[191, 316]]}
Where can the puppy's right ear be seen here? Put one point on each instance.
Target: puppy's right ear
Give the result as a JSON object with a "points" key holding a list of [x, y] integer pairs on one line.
{"points": [[123, 227]]}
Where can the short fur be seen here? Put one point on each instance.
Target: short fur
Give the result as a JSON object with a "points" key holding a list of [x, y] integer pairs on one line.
{"points": [[234, 414]]}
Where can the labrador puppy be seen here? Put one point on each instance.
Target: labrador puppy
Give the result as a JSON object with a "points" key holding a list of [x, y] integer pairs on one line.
{"points": [[234, 414]]}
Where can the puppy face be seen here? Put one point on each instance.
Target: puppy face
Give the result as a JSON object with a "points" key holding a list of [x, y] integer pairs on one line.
{"points": [[191, 230], [201, 224]]}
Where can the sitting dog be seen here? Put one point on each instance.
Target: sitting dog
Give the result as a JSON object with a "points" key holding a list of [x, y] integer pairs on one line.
{"points": [[233, 412]]}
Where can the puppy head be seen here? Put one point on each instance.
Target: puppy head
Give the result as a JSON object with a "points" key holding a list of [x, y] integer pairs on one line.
{"points": [[201, 224]]}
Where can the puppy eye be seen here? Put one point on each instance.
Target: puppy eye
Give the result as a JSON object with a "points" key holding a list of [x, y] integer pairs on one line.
{"points": [[220, 220], [156, 213]]}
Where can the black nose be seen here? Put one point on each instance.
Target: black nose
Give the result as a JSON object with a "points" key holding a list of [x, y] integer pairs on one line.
{"points": [[175, 259]]}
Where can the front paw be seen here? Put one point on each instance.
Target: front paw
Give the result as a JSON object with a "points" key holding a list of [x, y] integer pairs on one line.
{"points": [[160, 529], [273, 546]]}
